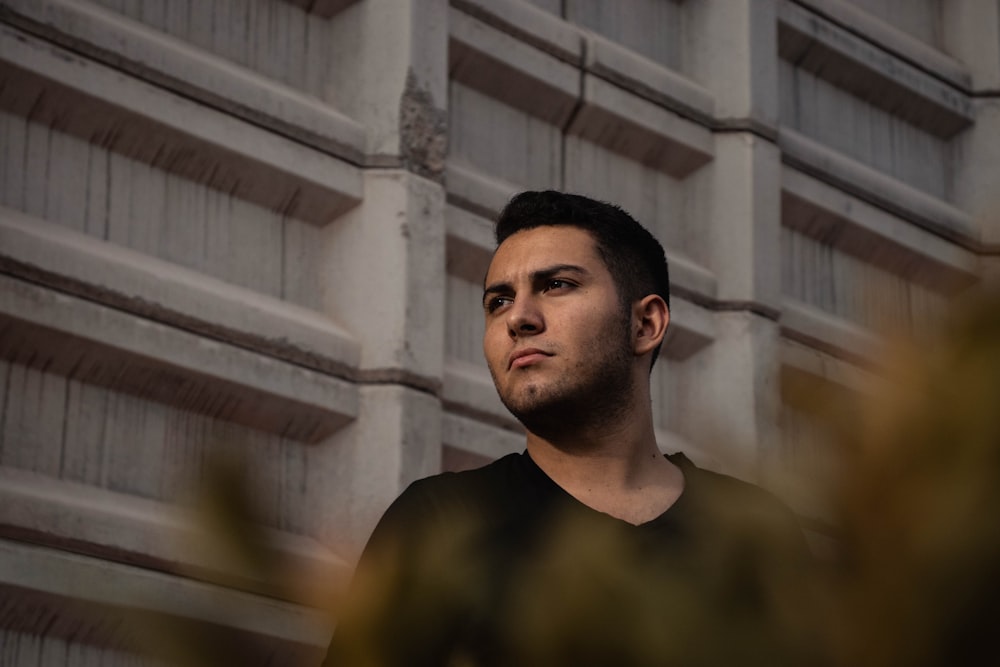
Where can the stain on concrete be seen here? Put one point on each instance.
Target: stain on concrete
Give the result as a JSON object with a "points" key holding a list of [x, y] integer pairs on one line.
{"points": [[423, 131]]}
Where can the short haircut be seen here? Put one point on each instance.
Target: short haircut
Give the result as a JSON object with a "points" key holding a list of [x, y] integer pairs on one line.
{"points": [[634, 257]]}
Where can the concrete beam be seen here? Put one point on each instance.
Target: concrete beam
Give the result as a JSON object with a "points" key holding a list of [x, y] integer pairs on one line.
{"points": [[872, 73], [640, 130], [476, 192], [855, 227], [468, 390], [530, 24], [691, 329], [69, 336], [139, 531], [507, 69], [54, 593], [469, 244], [814, 363], [324, 8], [144, 122], [172, 64], [853, 17], [629, 70], [831, 334], [148, 287], [480, 438], [876, 187]]}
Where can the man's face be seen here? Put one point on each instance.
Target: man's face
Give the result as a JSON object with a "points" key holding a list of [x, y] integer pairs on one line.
{"points": [[557, 339]]}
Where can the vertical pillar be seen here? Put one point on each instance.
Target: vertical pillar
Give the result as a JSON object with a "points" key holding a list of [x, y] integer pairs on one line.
{"points": [[384, 269], [972, 34], [736, 59]]}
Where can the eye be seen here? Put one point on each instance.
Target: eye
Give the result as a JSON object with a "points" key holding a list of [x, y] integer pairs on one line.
{"points": [[557, 283], [496, 302]]}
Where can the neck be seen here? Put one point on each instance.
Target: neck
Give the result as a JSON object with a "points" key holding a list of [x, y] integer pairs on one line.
{"points": [[621, 473], [617, 451]]}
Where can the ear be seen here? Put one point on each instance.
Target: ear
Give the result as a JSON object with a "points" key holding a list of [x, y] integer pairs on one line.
{"points": [[650, 317]]}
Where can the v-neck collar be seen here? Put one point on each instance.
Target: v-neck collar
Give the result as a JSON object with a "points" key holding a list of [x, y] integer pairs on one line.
{"points": [[558, 494]]}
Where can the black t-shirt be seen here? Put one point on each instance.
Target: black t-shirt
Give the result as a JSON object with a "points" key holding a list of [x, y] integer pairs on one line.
{"points": [[501, 566]]}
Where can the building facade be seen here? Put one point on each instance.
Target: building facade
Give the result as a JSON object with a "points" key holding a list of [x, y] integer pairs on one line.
{"points": [[256, 231]]}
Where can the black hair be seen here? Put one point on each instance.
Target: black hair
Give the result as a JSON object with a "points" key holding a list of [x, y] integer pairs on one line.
{"points": [[634, 257]]}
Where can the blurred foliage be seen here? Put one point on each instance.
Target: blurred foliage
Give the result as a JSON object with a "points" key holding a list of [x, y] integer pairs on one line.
{"points": [[914, 580], [917, 582]]}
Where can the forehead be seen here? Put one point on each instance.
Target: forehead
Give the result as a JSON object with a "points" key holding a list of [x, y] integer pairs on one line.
{"points": [[540, 247]]}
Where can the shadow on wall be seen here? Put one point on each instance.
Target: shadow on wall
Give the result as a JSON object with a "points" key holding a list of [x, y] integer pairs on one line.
{"points": [[914, 580]]}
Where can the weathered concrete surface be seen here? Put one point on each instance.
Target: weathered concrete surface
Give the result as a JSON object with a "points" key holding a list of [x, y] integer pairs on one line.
{"points": [[259, 230]]}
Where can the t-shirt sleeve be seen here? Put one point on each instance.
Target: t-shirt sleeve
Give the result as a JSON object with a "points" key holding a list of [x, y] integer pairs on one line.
{"points": [[399, 609]]}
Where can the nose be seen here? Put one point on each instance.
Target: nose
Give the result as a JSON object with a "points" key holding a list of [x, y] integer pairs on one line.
{"points": [[524, 318]]}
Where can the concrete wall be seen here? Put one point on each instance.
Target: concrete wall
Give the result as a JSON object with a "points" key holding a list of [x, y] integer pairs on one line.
{"points": [[257, 229]]}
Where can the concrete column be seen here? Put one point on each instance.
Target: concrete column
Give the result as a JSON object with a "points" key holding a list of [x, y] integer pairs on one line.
{"points": [[977, 159], [737, 373], [395, 440], [384, 278], [736, 59], [972, 34], [392, 77], [971, 30], [732, 400], [742, 220]]}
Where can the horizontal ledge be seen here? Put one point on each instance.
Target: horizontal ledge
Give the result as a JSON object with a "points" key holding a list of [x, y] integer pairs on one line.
{"points": [[691, 330], [480, 438], [50, 254], [689, 276], [54, 86], [855, 227], [529, 24], [148, 533], [823, 331], [324, 8], [877, 188], [648, 79], [96, 344], [510, 70], [877, 31], [469, 244], [177, 65], [523, 76], [468, 389], [636, 128], [866, 70], [90, 594], [814, 363], [475, 191]]}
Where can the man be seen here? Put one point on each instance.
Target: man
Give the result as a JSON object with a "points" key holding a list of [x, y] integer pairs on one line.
{"points": [[591, 547]]}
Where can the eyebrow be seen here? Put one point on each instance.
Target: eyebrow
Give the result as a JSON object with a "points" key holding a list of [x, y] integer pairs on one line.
{"points": [[536, 277]]}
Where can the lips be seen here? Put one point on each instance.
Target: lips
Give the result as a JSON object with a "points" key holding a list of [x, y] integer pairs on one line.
{"points": [[527, 357]]}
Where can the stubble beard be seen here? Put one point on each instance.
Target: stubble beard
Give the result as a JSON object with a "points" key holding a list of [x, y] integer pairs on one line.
{"points": [[596, 393]]}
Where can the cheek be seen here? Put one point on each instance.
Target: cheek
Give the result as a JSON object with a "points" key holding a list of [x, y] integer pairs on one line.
{"points": [[490, 343]]}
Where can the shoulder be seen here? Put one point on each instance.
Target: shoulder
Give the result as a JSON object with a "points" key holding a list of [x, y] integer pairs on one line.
{"points": [[736, 507], [442, 496]]}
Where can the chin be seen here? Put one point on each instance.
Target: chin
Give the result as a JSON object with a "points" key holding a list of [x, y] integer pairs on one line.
{"points": [[534, 407]]}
